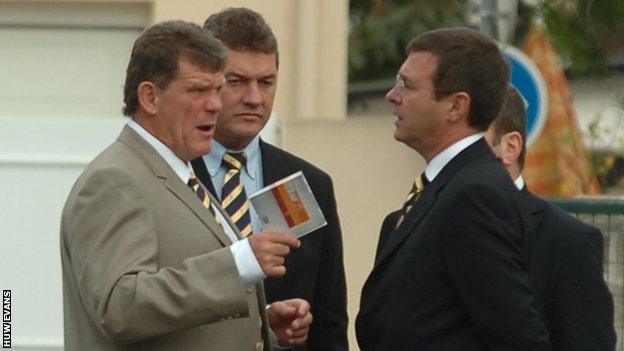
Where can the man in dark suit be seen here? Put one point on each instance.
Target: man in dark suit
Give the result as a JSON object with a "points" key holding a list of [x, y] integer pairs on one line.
{"points": [[450, 274], [149, 262], [315, 271], [566, 271]]}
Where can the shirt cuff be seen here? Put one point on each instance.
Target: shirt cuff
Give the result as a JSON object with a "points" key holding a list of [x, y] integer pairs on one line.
{"points": [[248, 267]]}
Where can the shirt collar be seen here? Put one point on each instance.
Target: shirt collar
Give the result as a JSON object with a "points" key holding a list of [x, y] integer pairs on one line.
{"points": [[182, 169], [214, 158], [519, 182], [440, 160]]}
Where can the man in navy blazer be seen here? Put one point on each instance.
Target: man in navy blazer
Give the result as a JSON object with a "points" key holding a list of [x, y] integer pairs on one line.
{"points": [[566, 272], [451, 273], [315, 271]]}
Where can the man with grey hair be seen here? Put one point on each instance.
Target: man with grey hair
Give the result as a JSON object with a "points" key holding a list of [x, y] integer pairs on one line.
{"points": [[149, 261]]}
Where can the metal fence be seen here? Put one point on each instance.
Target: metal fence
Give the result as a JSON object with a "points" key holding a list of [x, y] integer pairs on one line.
{"points": [[606, 213]]}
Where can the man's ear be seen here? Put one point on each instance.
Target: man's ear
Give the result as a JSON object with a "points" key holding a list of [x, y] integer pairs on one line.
{"points": [[148, 97], [460, 106], [510, 148]]}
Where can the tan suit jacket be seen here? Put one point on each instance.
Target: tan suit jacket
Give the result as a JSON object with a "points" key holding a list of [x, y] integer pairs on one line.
{"points": [[146, 266]]}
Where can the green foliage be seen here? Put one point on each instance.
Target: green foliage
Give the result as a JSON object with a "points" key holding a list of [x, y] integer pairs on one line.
{"points": [[619, 99], [587, 33], [380, 31]]}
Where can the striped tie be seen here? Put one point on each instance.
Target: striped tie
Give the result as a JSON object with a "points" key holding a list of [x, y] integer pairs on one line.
{"points": [[199, 190], [233, 198], [419, 186]]}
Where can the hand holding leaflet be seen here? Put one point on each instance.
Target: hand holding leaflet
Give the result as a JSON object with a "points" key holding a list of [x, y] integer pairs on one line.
{"points": [[288, 205]]}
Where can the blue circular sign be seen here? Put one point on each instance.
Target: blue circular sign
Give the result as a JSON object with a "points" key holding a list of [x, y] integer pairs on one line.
{"points": [[527, 78]]}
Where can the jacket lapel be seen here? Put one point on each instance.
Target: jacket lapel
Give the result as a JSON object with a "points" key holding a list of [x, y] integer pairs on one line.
{"points": [[533, 205], [201, 172], [533, 213], [397, 236], [429, 196], [272, 169], [182, 192], [171, 181]]}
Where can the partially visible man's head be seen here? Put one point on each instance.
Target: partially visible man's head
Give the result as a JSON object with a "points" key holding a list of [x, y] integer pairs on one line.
{"points": [[507, 133], [242, 29], [250, 73], [451, 85], [172, 85]]}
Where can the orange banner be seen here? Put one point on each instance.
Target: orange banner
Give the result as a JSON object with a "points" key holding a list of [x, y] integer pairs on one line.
{"points": [[557, 163]]}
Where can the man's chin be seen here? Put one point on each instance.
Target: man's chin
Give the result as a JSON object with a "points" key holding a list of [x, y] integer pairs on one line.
{"points": [[238, 136], [201, 151], [397, 136]]}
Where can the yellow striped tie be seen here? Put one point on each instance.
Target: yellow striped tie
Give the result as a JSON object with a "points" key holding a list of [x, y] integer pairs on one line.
{"points": [[199, 190], [417, 188], [233, 198]]}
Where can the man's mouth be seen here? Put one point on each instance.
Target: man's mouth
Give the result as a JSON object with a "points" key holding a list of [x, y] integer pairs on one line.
{"points": [[206, 128], [249, 114]]}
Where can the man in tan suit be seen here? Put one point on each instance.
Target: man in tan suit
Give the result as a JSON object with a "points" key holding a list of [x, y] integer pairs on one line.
{"points": [[150, 262]]}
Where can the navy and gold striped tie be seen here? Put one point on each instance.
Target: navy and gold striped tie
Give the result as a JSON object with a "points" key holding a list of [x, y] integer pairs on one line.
{"points": [[233, 198], [417, 188], [200, 191]]}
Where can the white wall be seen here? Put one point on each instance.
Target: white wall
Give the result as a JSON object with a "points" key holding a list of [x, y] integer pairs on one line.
{"points": [[40, 158], [62, 72], [596, 98]]}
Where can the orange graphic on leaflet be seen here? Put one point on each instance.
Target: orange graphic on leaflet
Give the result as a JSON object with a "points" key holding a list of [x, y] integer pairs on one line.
{"points": [[290, 204]]}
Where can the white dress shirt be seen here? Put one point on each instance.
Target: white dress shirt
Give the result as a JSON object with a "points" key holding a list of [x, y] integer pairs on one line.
{"points": [[519, 182], [246, 263], [443, 158]]}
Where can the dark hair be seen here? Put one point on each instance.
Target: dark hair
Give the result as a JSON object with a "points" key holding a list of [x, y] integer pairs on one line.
{"points": [[470, 62], [156, 53], [512, 118], [242, 29]]}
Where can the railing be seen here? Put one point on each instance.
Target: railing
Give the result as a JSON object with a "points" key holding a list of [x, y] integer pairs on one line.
{"points": [[606, 213]]}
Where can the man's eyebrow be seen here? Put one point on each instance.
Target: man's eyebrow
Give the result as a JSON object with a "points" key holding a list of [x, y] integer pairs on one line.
{"points": [[237, 75], [231, 74]]}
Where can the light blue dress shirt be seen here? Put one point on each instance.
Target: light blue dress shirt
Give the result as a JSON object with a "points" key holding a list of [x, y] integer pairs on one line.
{"points": [[251, 176]]}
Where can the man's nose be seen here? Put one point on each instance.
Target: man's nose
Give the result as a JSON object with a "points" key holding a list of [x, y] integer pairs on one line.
{"points": [[393, 95], [213, 103], [252, 94]]}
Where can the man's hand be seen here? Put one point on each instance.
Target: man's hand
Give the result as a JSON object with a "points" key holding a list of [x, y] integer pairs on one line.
{"points": [[270, 248], [290, 321]]}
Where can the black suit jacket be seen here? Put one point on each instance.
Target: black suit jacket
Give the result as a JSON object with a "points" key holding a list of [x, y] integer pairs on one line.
{"points": [[315, 271], [567, 278], [452, 276]]}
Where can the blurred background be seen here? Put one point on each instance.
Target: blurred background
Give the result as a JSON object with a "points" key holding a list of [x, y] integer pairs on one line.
{"points": [[62, 68]]}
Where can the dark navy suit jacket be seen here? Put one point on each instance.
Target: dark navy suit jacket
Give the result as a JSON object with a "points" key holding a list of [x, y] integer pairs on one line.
{"points": [[452, 276], [567, 277], [315, 271]]}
